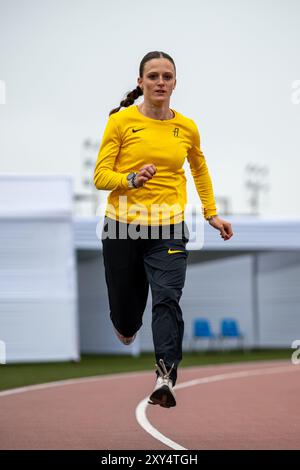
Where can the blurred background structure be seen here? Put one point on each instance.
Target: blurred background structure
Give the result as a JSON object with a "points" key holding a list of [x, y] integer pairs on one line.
{"points": [[63, 66], [53, 298]]}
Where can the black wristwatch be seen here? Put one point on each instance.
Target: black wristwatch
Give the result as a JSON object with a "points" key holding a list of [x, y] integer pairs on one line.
{"points": [[130, 180]]}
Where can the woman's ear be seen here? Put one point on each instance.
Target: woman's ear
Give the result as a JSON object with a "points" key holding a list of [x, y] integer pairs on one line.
{"points": [[140, 81]]}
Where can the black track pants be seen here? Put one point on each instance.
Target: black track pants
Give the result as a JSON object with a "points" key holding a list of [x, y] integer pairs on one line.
{"points": [[130, 266]]}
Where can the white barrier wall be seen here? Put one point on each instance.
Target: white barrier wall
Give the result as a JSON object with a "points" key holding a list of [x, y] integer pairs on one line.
{"points": [[38, 293], [253, 280], [279, 298], [208, 293]]}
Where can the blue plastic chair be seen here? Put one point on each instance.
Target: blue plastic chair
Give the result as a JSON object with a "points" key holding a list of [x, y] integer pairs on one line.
{"points": [[230, 329], [202, 330]]}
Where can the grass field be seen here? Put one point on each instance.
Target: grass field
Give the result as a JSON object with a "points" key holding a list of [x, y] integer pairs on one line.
{"points": [[18, 375]]}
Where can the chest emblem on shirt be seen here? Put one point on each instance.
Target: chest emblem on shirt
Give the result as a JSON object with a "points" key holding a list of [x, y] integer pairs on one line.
{"points": [[137, 130], [176, 131]]}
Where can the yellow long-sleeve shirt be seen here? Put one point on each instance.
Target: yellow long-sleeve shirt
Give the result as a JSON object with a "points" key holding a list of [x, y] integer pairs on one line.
{"points": [[130, 141]]}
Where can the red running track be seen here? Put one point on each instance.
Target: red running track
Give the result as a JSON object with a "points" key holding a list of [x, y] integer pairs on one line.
{"points": [[237, 406]]}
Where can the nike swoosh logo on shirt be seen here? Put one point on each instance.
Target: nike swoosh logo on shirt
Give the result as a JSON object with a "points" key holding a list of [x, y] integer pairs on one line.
{"points": [[137, 130], [170, 252]]}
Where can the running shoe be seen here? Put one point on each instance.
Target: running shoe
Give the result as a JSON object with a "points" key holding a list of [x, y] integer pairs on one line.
{"points": [[163, 393]]}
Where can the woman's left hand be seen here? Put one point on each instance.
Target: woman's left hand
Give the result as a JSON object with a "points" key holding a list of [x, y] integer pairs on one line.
{"points": [[224, 227]]}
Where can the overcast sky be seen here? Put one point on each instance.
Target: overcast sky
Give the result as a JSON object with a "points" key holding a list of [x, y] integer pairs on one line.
{"points": [[67, 63]]}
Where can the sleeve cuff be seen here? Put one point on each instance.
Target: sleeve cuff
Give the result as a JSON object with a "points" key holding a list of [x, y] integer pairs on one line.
{"points": [[123, 182]]}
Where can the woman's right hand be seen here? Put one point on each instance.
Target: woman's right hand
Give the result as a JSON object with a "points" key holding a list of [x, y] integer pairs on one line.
{"points": [[144, 174]]}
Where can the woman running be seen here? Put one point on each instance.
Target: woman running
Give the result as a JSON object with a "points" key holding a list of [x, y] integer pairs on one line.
{"points": [[144, 235]]}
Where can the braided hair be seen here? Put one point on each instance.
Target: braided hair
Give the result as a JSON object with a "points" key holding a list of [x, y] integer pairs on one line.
{"points": [[130, 99], [134, 94]]}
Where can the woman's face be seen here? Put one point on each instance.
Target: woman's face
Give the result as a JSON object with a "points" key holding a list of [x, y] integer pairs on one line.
{"points": [[158, 81]]}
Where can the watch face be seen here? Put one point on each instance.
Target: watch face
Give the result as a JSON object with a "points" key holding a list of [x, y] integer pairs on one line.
{"points": [[130, 176]]}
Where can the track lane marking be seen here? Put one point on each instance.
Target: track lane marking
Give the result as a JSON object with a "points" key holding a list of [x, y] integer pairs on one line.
{"points": [[140, 411]]}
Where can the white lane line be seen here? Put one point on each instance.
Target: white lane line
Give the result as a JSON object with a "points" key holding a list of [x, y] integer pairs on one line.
{"points": [[62, 383], [140, 411], [140, 414], [94, 378]]}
